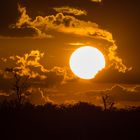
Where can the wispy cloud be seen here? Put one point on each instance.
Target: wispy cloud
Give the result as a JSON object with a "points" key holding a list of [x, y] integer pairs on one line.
{"points": [[76, 44], [46, 98], [96, 1], [70, 10]]}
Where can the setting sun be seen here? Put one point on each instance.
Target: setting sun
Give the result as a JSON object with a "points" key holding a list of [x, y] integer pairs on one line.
{"points": [[86, 62]]}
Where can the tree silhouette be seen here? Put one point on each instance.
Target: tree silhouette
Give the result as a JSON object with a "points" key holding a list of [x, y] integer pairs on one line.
{"points": [[107, 102], [20, 84]]}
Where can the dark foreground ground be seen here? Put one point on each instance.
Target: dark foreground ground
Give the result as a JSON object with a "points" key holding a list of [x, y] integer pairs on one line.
{"points": [[78, 122]]}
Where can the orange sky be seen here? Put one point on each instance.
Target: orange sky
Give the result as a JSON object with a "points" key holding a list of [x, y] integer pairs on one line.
{"points": [[40, 38]]}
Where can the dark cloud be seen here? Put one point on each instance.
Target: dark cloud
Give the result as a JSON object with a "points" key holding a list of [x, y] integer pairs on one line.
{"points": [[121, 95]]}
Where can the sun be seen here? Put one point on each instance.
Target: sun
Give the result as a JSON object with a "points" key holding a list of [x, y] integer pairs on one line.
{"points": [[86, 62]]}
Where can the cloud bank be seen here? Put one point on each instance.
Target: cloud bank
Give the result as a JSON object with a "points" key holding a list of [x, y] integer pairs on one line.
{"points": [[71, 25], [122, 96], [29, 65]]}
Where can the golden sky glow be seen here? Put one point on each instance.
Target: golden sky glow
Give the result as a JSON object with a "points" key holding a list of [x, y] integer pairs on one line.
{"points": [[41, 39]]}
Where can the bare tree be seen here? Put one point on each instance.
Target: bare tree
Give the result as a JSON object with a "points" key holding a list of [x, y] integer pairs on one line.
{"points": [[107, 102], [20, 84]]}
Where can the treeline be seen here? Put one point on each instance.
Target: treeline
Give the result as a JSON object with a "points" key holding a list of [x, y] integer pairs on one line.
{"points": [[81, 121]]}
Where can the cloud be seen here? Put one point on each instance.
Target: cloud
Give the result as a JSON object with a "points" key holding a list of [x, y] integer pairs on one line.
{"points": [[46, 98], [70, 10], [70, 102], [29, 65], [118, 93], [121, 93], [41, 95], [4, 94], [96, 1], [71, 25], [26, 20], [76, 44], [3, 59]]}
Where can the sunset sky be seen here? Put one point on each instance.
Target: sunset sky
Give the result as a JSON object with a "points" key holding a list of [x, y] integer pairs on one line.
{"points": [[39, 36]]}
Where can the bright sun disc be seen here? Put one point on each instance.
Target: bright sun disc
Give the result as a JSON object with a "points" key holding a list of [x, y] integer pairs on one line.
{"points": [[86, 62]]}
